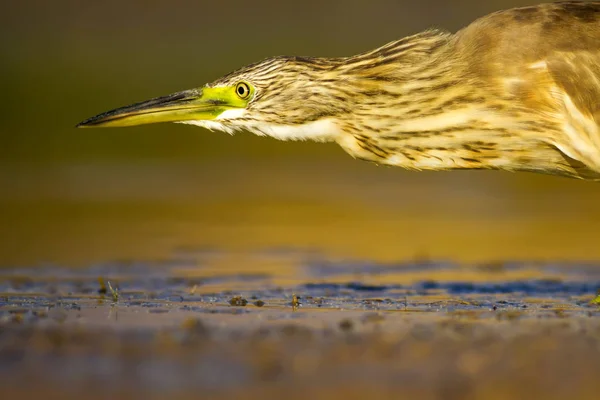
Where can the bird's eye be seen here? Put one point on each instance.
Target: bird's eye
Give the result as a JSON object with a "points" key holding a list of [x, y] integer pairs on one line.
{"points": [[242, 89]]}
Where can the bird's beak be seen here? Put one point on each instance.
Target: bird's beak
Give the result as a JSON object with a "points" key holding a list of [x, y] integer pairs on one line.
{"points": [[195, 104]]}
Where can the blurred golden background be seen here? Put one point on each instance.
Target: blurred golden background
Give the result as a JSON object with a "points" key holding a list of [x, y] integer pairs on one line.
{"points": [[76, 197]]}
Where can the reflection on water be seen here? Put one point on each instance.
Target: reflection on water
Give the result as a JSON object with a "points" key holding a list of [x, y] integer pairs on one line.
{"points": [[212, 276]]}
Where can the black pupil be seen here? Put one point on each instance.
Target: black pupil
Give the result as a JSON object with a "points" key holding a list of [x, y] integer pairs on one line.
{"points": [[241, 90]]}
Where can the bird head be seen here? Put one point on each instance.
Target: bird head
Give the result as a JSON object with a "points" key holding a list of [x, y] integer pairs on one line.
{"points": [[288, 98]]}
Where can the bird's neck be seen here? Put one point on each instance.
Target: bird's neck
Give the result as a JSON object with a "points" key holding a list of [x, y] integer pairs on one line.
{"points": [[422, 108]]}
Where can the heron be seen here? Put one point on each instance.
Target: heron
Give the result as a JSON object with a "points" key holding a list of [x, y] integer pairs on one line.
{"points": [[516, 90]]}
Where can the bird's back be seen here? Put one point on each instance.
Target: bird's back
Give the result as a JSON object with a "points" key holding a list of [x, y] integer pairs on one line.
{"points": [[545, 58], [528, 34]]}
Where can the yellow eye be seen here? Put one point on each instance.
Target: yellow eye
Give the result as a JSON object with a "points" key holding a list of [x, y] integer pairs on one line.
{"points": [[243, 90]]}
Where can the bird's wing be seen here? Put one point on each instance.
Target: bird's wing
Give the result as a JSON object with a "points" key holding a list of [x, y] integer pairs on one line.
{"points": [[572, 91], [577, 74]]}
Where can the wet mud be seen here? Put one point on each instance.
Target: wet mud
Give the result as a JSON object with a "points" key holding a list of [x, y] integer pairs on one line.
{"points": [[300, 326]]}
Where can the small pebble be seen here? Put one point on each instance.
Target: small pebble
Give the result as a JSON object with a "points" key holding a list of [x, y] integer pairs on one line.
{"points": [[238, 301]]}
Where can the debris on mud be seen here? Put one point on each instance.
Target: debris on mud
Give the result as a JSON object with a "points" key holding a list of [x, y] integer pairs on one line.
{"points": [[238, 301]]}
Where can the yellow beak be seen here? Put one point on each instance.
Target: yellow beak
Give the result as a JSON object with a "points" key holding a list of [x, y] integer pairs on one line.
{"points": [[195, 104]]}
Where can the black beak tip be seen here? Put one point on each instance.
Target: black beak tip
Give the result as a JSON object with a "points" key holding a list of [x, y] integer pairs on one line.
{"points": [[87, 123]]}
